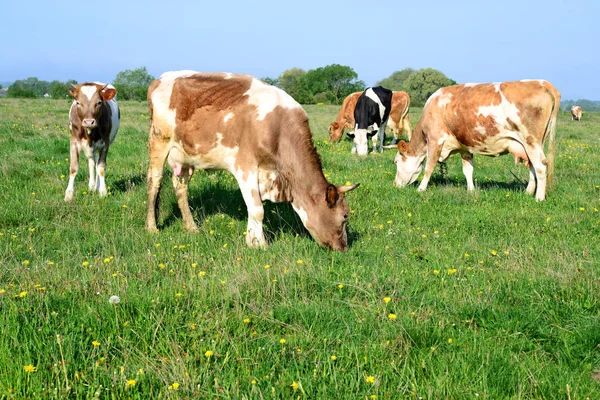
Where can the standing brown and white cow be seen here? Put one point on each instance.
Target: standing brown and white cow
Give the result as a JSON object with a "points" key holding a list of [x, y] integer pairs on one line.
{"points": [[251, 129], [489, 119], [576, 112], [94, 119], [397, 122]]}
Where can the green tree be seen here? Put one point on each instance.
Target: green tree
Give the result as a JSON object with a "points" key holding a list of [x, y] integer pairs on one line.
{"points": [[396, 80], [133, 84], [22, 88], [290, 81], [423, 83], [59, 90], [331, 84]]}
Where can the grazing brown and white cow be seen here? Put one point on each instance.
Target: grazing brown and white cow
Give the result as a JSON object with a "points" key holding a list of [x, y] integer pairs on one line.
{"points": [[576, 112], [251, 129], [94, 119], [397, 122], [489, 119]]}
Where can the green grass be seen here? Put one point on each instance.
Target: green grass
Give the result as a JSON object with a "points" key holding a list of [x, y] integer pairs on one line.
{"points": [[494, 294]]}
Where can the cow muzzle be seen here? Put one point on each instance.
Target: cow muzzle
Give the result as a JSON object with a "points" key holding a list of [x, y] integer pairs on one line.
{"points": [[89, 123]]}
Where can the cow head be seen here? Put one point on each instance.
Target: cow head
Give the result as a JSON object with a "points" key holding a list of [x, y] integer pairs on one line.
{"points": [[327, 217], [335, 132], [89, 98], [408, 165], [361, 142]]}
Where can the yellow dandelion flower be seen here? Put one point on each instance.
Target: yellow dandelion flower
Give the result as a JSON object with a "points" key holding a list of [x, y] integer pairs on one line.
{"points": [[26, 262], [452, 271], [225, 245], [208, 353], [246, 320], [22, 294], [178, 294], [373, 397], [333, 358], [581, 208], [106, 260], [124, 206], [29, 368], [223, 282], [282, 341], [494, 253], [449, 340], [370, 379], [131, 383], [175, 385], [202, 273], [194, 265], [387, 299], [50, 262], [409, 215], [2, 291], [267, 266], [161, 266], [340, 286], [85, 263], [295, 386], [436, 272], [253, 381], [348, 183], [392, 316], [96, 343], [300, 261]]}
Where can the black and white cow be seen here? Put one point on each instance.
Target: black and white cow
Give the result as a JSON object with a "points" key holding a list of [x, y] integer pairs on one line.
{"points": [[370, 116]]}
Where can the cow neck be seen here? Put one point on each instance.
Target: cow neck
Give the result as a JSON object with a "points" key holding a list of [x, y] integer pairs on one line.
{"points": [[303, 171], [418, 143]]}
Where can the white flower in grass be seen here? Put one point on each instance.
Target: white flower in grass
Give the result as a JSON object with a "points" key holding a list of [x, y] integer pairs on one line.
{"points": [[114, 300]]}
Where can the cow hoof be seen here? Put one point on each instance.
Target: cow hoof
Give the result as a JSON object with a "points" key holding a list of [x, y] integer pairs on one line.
{"points": [[69, 196], [191, 228]]}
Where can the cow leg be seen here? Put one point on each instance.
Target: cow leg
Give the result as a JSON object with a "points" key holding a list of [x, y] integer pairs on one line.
{"points": [[381, 136], [467, 167], [531, 185], [158, 152], [538, 163], [432, 157], [92, 171], [407, 128], [248, 182], [180, 186], [374, 141], [74, 167], [100, 171]]}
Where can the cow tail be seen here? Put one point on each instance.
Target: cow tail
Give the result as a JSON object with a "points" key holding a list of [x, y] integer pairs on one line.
{"points": [[404, 120], [551, 142]]}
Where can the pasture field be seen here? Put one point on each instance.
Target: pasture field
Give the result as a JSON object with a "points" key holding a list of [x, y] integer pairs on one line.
{"points": [[442, 294]]}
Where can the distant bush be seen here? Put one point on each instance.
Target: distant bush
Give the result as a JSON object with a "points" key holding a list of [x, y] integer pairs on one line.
{"points": [[133, 84]]}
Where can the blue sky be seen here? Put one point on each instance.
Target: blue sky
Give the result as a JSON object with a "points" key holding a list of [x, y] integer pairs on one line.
{"points": [[469, 41]]}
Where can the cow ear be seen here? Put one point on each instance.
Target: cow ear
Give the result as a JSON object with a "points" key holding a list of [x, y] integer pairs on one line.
{"points": [[347, 188], [402, 147], [331, 195], [108, 93], [73, 91]]}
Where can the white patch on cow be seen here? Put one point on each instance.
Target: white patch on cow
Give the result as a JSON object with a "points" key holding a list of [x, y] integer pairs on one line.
{"points": [[266, 98], [228, 117], [435, 95], [471, 84], [89, 91], [219, 157], [497, 86], [161, 96], [266, 184], [301, 213], [480, 129], [228, 75], [502, 112], [248, 181], [373, 96], [445, 99]]}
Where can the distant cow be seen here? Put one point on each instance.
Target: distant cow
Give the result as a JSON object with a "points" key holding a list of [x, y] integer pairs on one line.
{"points": [[251, 129], [576, 112], [397, 122], [370, 116], [94, 119], [489, 119]]}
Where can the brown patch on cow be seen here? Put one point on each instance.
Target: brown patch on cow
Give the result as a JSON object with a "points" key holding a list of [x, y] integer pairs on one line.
{"points": [[345, 117], [595, 375], [530, 140]]}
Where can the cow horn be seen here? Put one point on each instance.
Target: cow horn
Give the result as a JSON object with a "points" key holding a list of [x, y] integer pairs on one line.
{"points": [[347, 188]]}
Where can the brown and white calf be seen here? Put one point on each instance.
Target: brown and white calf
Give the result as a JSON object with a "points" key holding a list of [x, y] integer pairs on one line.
{"points": [[489, 119], [397, 122], [94, 119], [251, 129], [576, 112]]}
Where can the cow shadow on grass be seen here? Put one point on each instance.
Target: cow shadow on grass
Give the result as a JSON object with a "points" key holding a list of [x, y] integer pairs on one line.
{"points": [[512, 186], [217, 199], [127, 183]]}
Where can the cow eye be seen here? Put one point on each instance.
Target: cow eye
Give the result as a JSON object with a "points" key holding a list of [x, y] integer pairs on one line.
{"points": [[78, 103], [345, 216], [99, 102]]}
